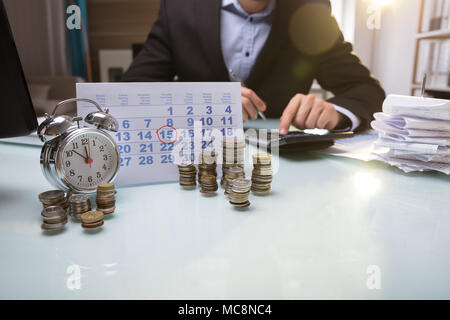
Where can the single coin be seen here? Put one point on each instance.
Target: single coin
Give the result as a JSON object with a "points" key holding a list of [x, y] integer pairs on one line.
{"points": [[51, 195], [78, 199], [53, 211], [92, 225], [103, 187], [53, 226], [91, 216]]}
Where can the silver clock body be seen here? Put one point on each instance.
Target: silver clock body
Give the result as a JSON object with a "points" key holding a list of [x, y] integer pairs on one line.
{"points": [[53, 159]]}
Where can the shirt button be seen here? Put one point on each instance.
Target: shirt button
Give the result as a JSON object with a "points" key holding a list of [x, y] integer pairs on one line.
{"points": [[247, 54]]}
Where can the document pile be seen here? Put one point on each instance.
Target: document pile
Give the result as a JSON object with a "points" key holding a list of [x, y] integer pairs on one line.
{"points": [[414, 133]]}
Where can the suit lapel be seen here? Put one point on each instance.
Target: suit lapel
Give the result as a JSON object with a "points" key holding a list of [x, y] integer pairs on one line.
{"points": [[274, 42], [208, 21]]}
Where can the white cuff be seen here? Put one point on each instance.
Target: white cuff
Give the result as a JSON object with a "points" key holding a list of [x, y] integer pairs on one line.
{"points": [[353, 118]]}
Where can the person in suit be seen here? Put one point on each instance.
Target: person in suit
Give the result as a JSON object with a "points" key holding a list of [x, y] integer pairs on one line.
{"points": [[277, 48]]}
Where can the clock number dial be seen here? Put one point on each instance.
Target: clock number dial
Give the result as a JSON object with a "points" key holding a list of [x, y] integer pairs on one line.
{"points": [[89, 159]]}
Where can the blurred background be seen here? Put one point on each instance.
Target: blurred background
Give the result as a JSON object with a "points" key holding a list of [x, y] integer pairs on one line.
{"points": [[399, 40]]}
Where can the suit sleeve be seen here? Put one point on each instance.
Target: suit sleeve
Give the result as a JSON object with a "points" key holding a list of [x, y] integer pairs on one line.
{"points": [[154, 62], [355, 89]]}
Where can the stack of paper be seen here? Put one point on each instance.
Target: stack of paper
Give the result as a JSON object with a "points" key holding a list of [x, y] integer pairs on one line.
{"points": [[414, 133]]}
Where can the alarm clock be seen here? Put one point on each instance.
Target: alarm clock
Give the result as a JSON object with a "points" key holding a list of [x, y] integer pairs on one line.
{"points": [[79, 159]]}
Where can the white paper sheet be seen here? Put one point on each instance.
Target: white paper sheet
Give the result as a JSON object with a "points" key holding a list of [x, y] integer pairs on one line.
{"points": [[144, 108], [426, 108]]}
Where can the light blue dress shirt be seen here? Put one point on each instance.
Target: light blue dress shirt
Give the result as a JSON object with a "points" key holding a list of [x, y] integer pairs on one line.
{"points": [[243, 36]]}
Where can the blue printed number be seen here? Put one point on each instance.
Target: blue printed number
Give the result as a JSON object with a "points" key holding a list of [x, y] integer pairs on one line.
{"points": [[170, 122], [228, 110], [190, 110], [206, 144], [166, 158], [125, 162], [143, 148], [166, 147], [126, 124], [190, 122], [206, 121], [147, 135], [226, 120], [147, 122], [227, 131], [145, 160], [208, 109], [125, 136], [124, 148]]}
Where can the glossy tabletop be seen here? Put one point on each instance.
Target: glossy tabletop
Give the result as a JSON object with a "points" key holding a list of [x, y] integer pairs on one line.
{"points": [[332, 228]]}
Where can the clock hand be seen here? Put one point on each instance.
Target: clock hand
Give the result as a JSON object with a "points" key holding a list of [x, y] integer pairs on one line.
{"points": [[80, 155], [89, 159]]}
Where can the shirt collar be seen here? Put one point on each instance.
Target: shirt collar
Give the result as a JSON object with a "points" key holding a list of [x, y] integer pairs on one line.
{"points": [[235, 7]]}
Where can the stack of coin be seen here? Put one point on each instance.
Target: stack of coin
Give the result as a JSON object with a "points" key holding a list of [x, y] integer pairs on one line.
{"points": [[240, 191], [231, 174], [79, 204], [207, 165], [233, 150], [92, 219], [262, 173], [209, 184], [54, 218], [233, 156], [53, 198], [106, 200], [188, 174]]}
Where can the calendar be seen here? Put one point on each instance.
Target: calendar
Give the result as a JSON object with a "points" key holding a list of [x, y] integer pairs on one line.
{"points": [[165, 124]]}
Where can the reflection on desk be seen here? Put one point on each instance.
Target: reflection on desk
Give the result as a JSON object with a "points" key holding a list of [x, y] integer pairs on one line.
{"points": [[328, 228]]}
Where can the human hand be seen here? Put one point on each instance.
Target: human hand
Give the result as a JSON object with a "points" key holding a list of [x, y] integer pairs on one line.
{"points": [[309, 112], [251, 104]]}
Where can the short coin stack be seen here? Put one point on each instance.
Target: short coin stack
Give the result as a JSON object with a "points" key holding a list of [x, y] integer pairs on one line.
{"points": [[209, 184], [79, 204], [53, 198], [207, 165], [239, 193], [106, 200], [92, 219], [188, 174], [230, 175], [233, 155], [54, 218], [261, 174]]}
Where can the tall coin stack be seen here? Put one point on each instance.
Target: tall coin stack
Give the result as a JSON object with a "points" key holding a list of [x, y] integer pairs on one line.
{"points": [[106, 200], [233, 155], [79, 204], [53, 198], [207, 165], [261, 174], [188, 174], [54, 218], [230, 175], [240, 191], [209, 184]]}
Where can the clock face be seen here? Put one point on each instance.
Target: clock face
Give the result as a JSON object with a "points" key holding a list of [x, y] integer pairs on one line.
{"points": [[88, 159]]}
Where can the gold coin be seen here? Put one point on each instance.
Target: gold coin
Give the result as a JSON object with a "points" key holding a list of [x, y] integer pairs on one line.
{"points": [[91, 216]]}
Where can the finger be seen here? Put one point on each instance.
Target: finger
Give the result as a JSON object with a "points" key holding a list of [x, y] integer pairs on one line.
{"points": [[303, 112], [251, 110], [324, 120], [314, 114], [244, 115], [257, 102], [328, 119], [289, 113]]}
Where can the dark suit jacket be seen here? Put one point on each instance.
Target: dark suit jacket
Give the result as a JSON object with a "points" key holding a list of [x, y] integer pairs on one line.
{"points": [[304, 44]]}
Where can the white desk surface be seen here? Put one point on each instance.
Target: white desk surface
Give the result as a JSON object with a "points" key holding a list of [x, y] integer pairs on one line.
{"points": [[327, 220]]}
